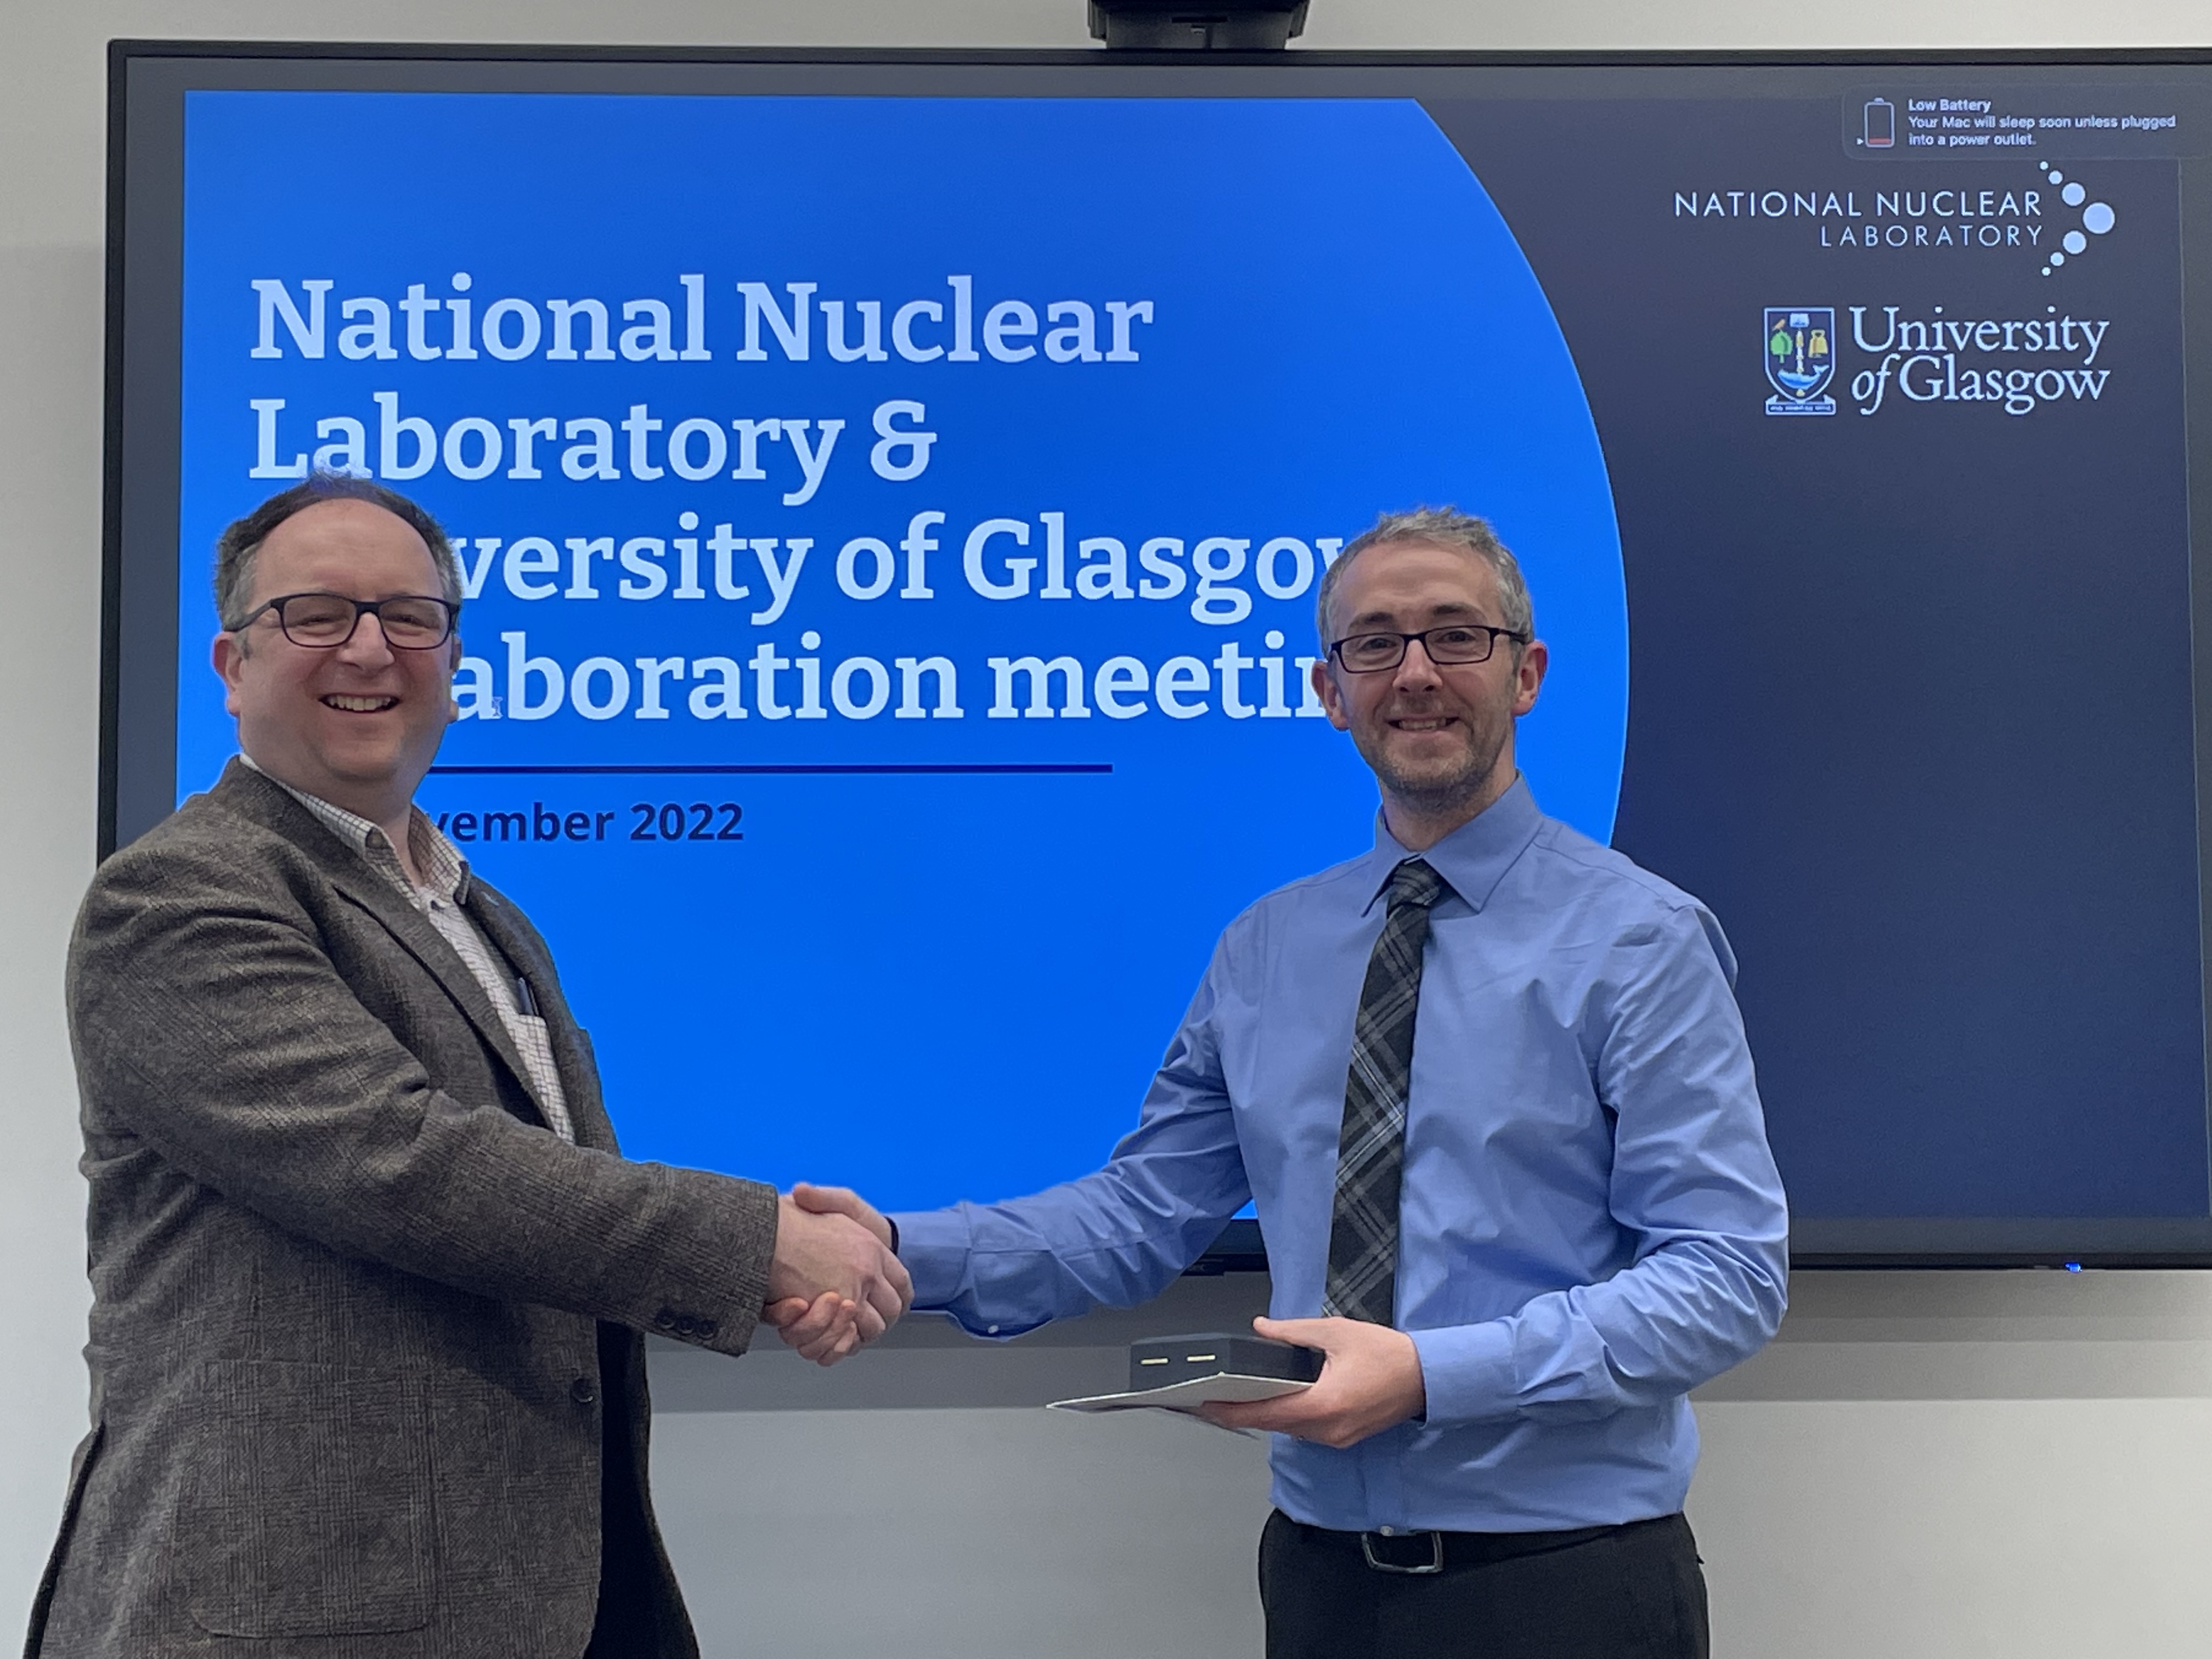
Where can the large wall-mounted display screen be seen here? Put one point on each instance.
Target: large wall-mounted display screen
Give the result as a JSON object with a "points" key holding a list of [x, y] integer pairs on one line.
{"points": [[891, 493]]}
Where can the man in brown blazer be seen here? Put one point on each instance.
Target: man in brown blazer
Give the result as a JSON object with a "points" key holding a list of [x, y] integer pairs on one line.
{"points": [[369, 1272]]}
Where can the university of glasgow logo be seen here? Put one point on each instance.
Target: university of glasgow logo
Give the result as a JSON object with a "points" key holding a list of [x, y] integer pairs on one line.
{"points": [[1800, 359]]}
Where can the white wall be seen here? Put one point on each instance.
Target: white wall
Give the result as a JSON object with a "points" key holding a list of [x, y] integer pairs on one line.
{"points": [[1947, 1466]]}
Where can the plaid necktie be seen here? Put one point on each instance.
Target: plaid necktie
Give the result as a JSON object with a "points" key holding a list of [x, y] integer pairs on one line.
{"points": [[1363, 1238]]}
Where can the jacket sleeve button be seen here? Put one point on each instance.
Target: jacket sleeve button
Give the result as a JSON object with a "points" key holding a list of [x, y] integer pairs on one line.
{"points": [[706, 1328], [665, 1319], [582, 1391]]}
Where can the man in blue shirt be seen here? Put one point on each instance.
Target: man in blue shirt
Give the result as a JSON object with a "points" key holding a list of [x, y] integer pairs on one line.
{"points": [[1489, 1089]]}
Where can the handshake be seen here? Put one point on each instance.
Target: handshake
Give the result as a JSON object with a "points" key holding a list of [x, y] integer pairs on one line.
{"points": [[834, 1285]]}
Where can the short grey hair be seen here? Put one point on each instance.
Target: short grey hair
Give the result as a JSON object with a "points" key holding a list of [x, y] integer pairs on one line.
{"points": [[237, 547], [1440, 526]]}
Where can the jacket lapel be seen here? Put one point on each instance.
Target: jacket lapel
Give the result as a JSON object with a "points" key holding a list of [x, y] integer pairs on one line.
{"points": [[267, 803]]}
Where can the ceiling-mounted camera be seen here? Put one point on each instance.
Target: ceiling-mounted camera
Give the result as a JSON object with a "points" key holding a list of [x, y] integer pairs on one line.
{"points": [[1180, 26]]}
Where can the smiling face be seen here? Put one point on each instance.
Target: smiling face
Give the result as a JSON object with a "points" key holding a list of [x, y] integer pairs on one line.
{"points": [[1439, 739], [359, 723]]}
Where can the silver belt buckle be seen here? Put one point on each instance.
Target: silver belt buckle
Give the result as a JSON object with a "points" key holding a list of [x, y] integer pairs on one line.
{"points": [[1435, 1563]]}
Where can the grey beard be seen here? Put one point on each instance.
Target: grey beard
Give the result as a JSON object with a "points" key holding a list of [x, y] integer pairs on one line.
{"points": [[1440, 797], [1436, 797]]}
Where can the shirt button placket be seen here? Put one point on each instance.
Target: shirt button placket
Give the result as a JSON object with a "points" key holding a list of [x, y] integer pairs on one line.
{"points": [[1383, 1462]]}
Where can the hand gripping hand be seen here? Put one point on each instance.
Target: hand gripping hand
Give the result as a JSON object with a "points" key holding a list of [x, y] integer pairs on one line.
{"points": [[833, 1285]]}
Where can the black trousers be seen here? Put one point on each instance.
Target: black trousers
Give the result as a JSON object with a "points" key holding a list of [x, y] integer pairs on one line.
{"points": [[1630, 1592]]}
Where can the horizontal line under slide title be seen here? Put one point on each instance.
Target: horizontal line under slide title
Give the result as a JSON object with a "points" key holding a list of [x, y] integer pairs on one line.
{"points": [[1086, 768], [512, 330]]}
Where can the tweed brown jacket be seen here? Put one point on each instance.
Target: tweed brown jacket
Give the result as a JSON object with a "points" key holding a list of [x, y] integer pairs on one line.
{"points": [[357, 1312]]}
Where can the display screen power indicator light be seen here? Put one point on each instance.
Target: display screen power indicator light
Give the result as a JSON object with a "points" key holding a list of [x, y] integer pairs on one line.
{"points": [[1880, 123]]}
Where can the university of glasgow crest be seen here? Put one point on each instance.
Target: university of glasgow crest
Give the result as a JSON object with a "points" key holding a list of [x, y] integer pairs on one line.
{"points": [[1800, 359]]}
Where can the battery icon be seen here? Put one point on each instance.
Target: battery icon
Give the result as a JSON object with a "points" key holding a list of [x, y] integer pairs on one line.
{"points": [[1880, 123]]}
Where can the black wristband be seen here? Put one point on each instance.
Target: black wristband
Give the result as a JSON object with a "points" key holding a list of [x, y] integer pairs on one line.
{"points": [[893, 1225]]}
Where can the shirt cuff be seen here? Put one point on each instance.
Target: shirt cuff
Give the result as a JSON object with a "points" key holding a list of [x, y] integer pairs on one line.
{"points": [[1466, 1371], [933, 1245]]}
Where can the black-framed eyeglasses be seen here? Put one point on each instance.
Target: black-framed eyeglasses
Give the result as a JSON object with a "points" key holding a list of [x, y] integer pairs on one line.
{"points": [[411, 622], [1452, 646]]}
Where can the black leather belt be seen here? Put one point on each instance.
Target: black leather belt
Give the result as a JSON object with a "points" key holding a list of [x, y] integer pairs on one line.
{"points": [[1394, 1549]]}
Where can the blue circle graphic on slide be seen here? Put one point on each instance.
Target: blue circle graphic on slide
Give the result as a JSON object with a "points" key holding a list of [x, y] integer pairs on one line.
{"points": [[1019, 456]]}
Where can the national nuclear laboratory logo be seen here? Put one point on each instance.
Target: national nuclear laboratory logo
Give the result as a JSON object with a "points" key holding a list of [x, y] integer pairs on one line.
{"points": [[1800, 359], [2048, 216], [2097, 219]]}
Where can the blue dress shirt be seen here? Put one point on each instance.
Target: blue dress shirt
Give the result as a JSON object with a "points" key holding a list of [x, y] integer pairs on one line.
{"points": [[1591, 1222]]}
